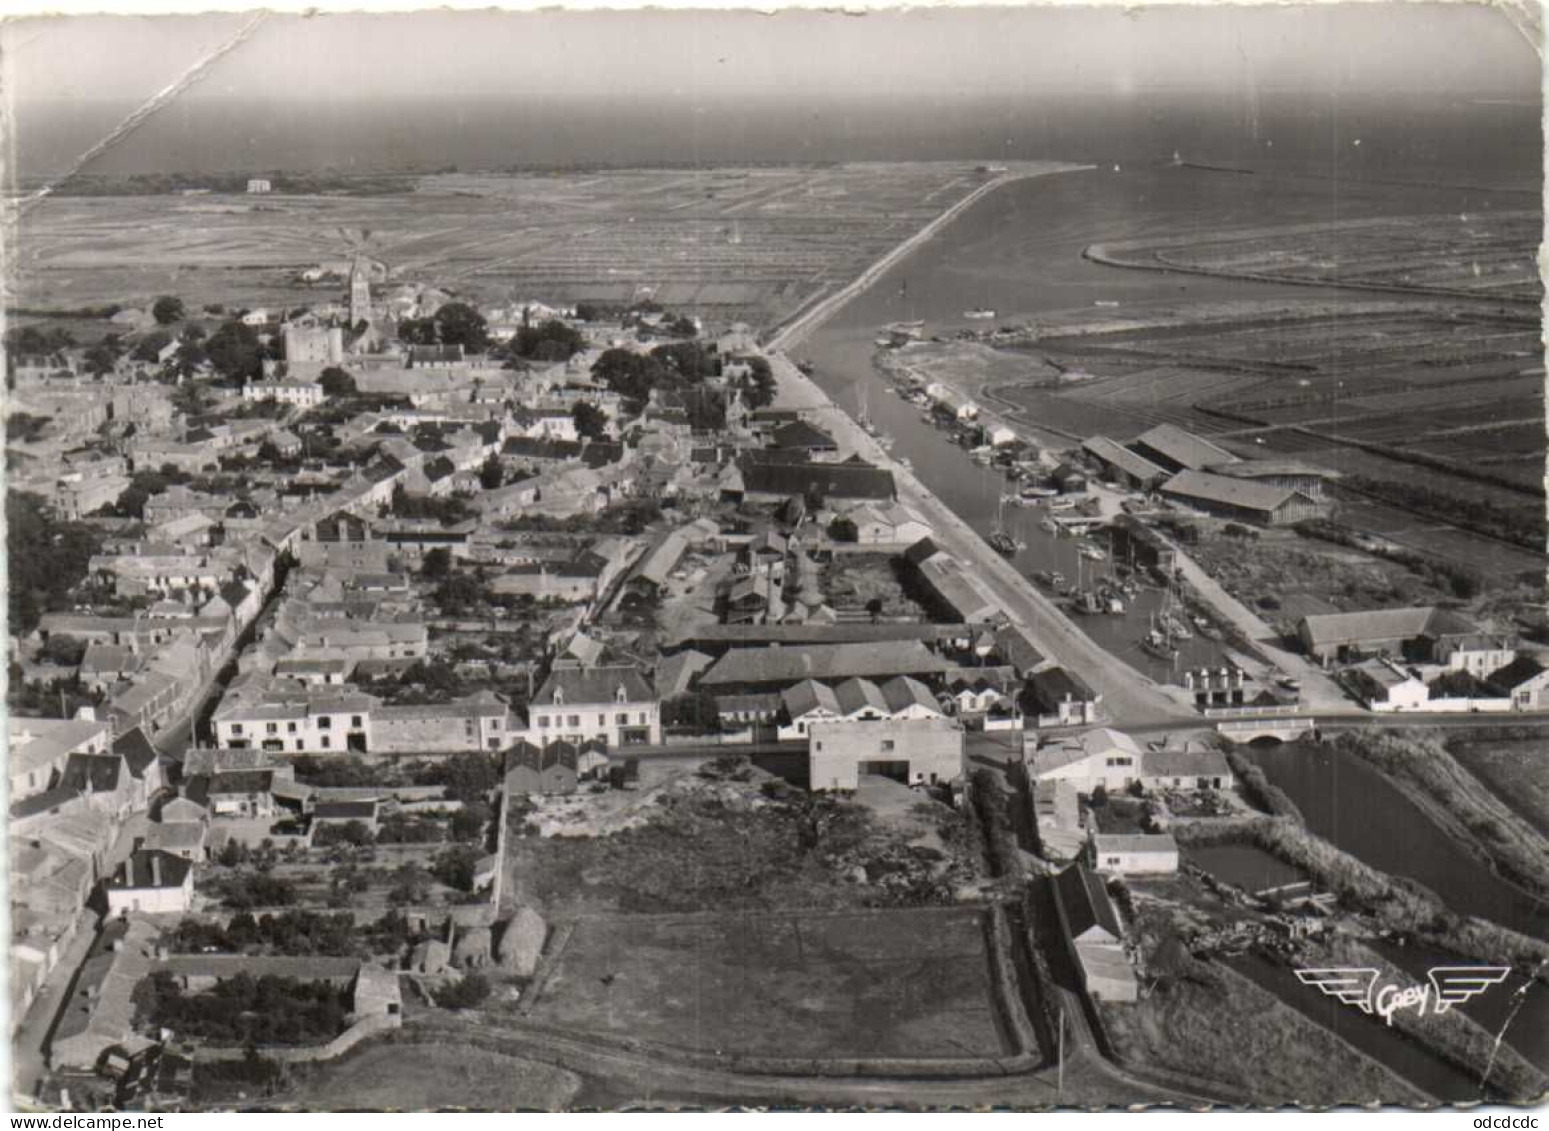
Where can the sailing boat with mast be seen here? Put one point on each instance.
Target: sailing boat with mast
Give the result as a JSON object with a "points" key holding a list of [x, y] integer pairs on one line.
{"points": [[863, 411], [1000, 538]]}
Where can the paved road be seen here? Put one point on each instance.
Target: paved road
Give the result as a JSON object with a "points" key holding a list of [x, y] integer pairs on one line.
{"points": [[1129, 697], [648, 1078]]}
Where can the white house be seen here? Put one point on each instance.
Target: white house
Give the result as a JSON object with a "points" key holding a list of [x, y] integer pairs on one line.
{"points": [[303, 394], [1135, 854], [611, 704], [1114, 760], [916, 751], [1384, 686]]}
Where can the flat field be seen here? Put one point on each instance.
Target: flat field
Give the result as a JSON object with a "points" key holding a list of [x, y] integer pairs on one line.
{"points": [[910, 983], [750, 243]]}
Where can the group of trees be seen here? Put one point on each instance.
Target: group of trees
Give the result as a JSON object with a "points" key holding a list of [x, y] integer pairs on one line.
{"points": [[288, 933], [447, 511], [552, 340], [47, 559], [243, 1010], [243, 891], [455, 324], [27, 341]]}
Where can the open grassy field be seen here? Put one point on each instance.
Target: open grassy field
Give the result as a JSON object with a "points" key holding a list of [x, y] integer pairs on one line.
{"points": [[1514, 771], [752, 243], [909, 983], [402, 1076]]}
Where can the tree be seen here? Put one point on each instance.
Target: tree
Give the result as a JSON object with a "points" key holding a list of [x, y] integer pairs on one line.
{"points": [[551, 341], [465, 994], [337, 383], [236, 353], [151, 345], [437, 563], [458, 324], [629, 374], [492, 473], [103, 357], [46, 559], [759, 390], [843, 529], [417, 331], [455, 867], [874, 607], [692, 362], [590, 421], [411, 884], [167, 310], [65, 651]]}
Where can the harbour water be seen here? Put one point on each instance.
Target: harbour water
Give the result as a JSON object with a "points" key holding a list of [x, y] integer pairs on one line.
{"points": [[1019, 251]]}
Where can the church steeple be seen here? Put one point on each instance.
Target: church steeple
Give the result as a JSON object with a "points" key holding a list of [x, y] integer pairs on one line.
{"points": [[360, 293]]}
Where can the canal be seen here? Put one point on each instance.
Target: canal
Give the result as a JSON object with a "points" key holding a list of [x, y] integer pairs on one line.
{"points": [[1019, 251], [1352, 805]]}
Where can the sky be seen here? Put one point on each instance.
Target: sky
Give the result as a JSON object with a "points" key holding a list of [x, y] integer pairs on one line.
{"points": [[441, 55], [479, 88]]}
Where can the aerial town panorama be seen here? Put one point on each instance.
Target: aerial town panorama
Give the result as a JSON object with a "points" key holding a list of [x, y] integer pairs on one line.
{"points": [[760, 634]]}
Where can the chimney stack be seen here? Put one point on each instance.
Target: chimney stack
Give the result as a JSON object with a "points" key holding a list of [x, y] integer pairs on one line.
{"points": [[155, 869]]}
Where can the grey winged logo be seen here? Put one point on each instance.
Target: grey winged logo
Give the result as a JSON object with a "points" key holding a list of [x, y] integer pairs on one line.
{"points": [[1357, 986], [1456, 984], [1350, 984]]}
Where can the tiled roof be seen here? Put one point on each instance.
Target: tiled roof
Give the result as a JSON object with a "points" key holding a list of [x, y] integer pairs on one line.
{"points": [[1246, 493], [1183, 448], [829, 480], [822, 661], [150, 868], [595, 685], [1086, 902]]}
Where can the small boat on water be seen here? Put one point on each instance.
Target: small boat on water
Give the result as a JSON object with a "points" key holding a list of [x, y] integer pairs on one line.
{"points": [[1003, 543], [979, 314], [1050, 525], [1061, 505], [1092, 554], [1114, 604], [806, 368], [1088, 603], [1155, 644], [1039, 492]]}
